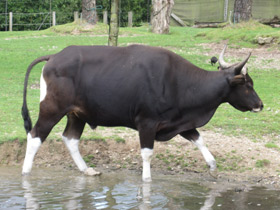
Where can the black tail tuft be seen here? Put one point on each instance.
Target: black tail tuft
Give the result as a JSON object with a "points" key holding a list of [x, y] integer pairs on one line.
{"points": [[26, 118]]}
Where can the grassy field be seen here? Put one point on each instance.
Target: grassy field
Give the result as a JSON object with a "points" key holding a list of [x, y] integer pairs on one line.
{"points": [[19, 49]]}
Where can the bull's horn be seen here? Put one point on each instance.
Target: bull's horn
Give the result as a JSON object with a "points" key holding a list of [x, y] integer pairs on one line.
{"points": [[244, 70], [222, 63], [239, 67]]}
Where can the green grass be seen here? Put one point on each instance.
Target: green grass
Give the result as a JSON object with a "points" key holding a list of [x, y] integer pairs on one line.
{"points": [[271, 145], [262, 163], [243, 34], [19, 49]]}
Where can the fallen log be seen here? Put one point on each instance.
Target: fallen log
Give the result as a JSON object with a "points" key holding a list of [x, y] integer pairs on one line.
{"points": [[207, 25], [274, 22]]}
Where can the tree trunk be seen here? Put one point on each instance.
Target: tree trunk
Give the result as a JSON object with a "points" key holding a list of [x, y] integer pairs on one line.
{"points": [[89, 11], [242, 10], [161, 15], [114, 24]]}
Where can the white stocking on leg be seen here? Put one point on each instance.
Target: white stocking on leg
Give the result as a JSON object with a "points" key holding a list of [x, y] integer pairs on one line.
{"points": [[32, 147], [73, 147], [210, 160], [146, 156]]}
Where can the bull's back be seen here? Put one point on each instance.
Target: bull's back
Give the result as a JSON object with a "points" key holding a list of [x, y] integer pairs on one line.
{"points": [[112, 85]]}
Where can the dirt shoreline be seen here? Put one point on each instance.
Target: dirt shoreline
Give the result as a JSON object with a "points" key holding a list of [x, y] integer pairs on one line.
{"points": [[237, 158]]}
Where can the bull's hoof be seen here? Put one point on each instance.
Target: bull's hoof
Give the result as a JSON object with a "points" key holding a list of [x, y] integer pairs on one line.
{"points": [[25, 173], [92, 172], [213, 173], [148, 179]]}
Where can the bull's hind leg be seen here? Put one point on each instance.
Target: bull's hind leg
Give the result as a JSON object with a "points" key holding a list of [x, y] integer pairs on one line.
{"points": [[194, 136], [71, 136], [48, 117], [33, 144]]}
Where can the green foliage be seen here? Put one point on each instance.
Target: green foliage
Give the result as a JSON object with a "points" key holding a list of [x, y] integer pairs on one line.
{"points": [[88, 158], [64, 12], [119, 140], [262, 163], [140, 9], [271, 145]]}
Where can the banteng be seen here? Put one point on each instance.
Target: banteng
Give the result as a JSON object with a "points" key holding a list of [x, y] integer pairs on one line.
{"points": [[149, 89]]}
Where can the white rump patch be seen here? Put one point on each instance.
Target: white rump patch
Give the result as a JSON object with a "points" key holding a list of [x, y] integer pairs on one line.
{"points": [[32, 147], [43, 87], [73, 147], [146, 154]]}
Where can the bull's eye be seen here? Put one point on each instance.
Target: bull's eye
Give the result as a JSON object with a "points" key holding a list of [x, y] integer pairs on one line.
{"points": [[249, 85]]}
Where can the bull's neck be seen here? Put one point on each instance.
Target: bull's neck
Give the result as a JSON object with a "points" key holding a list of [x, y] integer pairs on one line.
{"points": [[203, 89]]}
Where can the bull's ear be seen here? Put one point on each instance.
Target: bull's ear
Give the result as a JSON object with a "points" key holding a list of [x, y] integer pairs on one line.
{"points": [[237, 80], [239, 67]]}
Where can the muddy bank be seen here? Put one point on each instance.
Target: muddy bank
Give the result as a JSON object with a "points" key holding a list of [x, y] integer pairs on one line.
{"points": [[238, 159]]}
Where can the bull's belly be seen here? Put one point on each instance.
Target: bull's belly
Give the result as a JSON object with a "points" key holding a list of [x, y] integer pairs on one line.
{"points": [[95, 120]]}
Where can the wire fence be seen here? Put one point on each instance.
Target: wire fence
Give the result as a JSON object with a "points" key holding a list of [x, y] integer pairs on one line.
{"points": [[192, 11], [33, 21], [189, 11], [43, 20]]}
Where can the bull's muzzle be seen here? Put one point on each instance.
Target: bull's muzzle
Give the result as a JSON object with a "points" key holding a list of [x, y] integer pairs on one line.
{"points": [[258, 109]]}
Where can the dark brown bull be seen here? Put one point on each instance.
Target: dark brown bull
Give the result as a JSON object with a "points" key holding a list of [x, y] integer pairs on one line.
{"points": [[148, 89]]}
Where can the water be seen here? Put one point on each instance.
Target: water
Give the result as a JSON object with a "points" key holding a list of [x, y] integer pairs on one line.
{"points": [[59, 189]]}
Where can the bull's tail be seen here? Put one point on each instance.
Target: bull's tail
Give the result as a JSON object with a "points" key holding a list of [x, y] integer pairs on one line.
{"points": [[24, 110]]}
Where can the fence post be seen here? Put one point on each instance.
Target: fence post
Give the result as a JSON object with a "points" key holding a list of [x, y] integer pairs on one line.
{"points": [[130, 18], [11, 21], [230, 18], [225, 10], [53, 18], [76, 16], [105, 17]]}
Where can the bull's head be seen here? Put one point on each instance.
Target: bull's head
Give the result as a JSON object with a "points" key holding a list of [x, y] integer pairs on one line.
{"points": [[242, 95]]}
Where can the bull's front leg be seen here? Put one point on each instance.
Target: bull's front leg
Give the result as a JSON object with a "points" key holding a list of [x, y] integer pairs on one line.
{"points": [[147, 136], [146, 154], [196, 139]]}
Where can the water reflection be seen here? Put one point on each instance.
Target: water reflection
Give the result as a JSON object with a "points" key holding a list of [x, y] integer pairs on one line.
{"points": [[127, 194], [83, 192], [144, 193], [49, 189], [210, 200], [31, 202]]}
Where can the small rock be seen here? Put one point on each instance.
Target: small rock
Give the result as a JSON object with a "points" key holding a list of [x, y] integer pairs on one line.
{"points": [[265, 40]]}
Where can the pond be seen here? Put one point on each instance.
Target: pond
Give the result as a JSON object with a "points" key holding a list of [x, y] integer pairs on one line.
{"points": [[63, 189]]}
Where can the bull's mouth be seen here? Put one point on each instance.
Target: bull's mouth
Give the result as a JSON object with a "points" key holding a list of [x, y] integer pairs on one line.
{"points": [[255, 110]]}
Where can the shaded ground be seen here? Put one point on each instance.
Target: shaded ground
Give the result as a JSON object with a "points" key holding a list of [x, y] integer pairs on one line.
{"points": [[239, 160]]}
